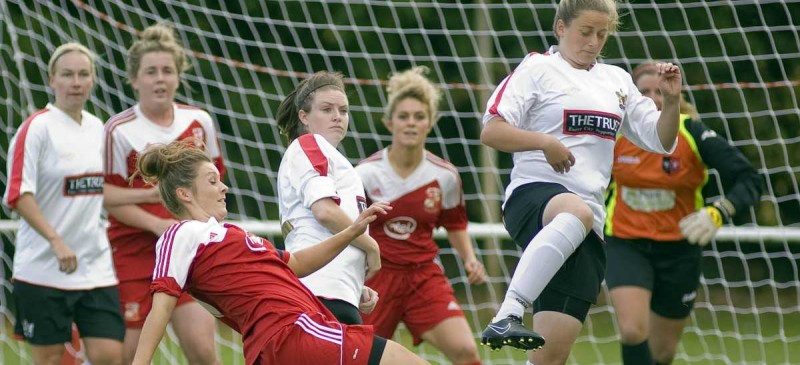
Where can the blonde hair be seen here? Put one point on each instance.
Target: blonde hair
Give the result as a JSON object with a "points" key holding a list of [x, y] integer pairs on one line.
{"points": [[649, 68], [568, 10], [155, 38], [171, 166], [67, 48], [413, 84], [301, 98]]}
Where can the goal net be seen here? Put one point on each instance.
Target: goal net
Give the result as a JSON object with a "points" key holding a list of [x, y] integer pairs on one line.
{"points": [[740, 60]]}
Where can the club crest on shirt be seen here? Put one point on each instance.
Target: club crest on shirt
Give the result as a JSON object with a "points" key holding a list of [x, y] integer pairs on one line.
{"points": [[433, 199], [591, 122], [623, 100], [671, 164], [400, 228]]}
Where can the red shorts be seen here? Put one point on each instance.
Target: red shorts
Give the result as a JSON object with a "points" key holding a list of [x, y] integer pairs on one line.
{"points": [[420, 296], [314, 340], [135, 300]]}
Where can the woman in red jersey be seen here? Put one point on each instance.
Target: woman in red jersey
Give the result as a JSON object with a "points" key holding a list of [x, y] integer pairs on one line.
{"points": [[137, 218], [425, 192], [243, 279]]}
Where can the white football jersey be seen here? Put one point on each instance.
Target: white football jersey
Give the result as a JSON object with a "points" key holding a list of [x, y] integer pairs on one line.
{"points": [[60, 162], [313, 169], [131, 132], [584, 109]]}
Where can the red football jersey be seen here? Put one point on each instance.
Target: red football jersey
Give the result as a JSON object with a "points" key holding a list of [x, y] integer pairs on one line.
{"points": [[428, 198], [238, 277]]}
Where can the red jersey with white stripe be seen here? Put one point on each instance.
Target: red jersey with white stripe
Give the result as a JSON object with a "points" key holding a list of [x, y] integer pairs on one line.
{"points": [[126, 135], [312, 169], [430, 197], [584, 110], [240, 278], [58, 161]]}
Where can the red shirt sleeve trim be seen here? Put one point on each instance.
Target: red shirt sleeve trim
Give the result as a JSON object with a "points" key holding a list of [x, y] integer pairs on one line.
{"points": [[15, 182], [310, 147]]}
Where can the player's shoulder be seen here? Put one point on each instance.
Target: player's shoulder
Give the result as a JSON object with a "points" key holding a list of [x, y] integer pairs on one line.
{"points": [[535, 61], [38, 121], [119, 119], [440, 163], [195, 231], [193, 112], [371, 161]]}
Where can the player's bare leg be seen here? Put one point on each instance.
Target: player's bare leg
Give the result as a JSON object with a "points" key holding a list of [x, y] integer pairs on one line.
{"points": [[103, 351], [664, 337], [395, 354], [454, 338], [561, 331]]}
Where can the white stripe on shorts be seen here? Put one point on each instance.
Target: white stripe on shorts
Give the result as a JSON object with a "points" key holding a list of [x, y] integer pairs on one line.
{"points": [[319, 331]]}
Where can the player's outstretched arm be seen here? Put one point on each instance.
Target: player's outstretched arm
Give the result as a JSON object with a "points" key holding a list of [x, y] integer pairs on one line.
{"points": [[308, 260], [114, 195], [154, 327], [669, 82]]}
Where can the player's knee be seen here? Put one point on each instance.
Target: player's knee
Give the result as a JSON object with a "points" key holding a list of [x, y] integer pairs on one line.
{"points": [[202, 355], [632, 333], [466, 353]]}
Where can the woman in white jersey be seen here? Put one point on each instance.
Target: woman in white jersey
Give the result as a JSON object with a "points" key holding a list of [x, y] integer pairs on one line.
{"points": [[559, 114], [425, 192], [137, 217], [63, 271], [320, 193]]}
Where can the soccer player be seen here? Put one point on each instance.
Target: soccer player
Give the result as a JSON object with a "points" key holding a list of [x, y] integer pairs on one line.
{"points": [[425, 193], [320, 193], [657, 225], [243, 279], [137, 217], [63, 271], [559, 113]]}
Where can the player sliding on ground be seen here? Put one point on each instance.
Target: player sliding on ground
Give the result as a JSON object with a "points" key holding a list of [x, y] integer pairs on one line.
{"points": [[243, 279]]}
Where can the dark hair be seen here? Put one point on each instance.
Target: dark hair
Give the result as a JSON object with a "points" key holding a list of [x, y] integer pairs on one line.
{"points": [[301, 98], [171, 166]]}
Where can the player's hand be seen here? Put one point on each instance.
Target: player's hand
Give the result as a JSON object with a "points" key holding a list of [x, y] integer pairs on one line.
{"points": [[161, 226], [369, 298], [67, 261], [475, 271], [669, 79], [368, 216], [558, 156], [701, 226]]}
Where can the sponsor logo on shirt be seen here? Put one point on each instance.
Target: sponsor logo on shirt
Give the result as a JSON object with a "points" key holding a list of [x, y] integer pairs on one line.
{"points": [[600, 124], [400, 228], [362, 203], [433, 199], [89, 184]]}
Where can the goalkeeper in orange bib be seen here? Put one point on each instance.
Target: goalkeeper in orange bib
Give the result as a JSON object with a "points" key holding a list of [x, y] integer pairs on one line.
{"points": [[657, 225], [425, 193]]}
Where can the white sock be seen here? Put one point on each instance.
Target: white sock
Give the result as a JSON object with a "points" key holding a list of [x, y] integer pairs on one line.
{"points": [[540, 261], [528, 362]]}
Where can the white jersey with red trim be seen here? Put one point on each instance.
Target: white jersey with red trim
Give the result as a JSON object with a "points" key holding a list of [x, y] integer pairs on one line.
{"points": [[313, 169], [428, 198], [60, 163], [584, 109]]}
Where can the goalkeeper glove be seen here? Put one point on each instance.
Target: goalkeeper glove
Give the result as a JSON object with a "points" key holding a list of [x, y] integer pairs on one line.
{"points": [[701, 226]]}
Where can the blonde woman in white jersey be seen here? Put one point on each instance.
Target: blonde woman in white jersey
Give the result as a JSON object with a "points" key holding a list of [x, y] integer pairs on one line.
{"points": [[320, 194], [63, 271], [137, 217], [559, 114]]}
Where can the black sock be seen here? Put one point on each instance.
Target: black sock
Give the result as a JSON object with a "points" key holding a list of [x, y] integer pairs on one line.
{"points": [[636, 354]]}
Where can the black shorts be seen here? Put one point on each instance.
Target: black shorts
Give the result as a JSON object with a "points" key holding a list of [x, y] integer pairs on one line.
{"points": [[670, 270], [581, 276], [343, 311], [44, 315]]}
